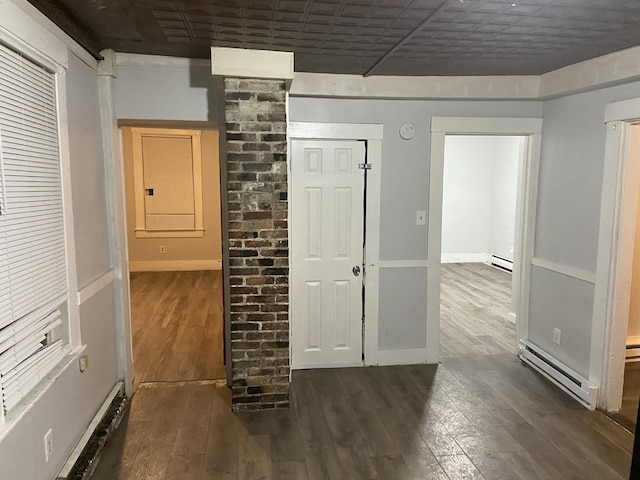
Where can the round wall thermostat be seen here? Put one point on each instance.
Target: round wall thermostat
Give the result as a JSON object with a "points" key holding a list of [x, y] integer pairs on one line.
{"points": [[407, 131]]}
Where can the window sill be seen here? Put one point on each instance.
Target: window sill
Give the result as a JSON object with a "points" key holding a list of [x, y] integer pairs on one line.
{"points": [[14, 417]]}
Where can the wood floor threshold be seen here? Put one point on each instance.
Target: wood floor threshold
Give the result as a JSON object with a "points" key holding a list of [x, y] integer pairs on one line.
{"points": [[220, 382]]}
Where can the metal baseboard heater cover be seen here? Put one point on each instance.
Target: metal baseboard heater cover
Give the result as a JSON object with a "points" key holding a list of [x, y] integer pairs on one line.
{"points": [[501, 262], [564, 377]]}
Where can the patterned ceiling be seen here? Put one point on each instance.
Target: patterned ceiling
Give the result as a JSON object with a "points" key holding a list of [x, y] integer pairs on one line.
{"points": [[377, 37]]}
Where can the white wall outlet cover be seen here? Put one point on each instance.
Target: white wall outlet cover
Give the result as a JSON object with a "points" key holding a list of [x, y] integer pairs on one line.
{"points": [[421, 216], [407, 131]]}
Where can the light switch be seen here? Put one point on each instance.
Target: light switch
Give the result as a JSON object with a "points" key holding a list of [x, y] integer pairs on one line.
{"points": [[421, 216]]}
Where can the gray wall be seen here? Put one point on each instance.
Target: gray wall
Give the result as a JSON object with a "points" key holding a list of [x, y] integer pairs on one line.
{"points": [[405, 180], [87, 173], [72, 400], [568, 216], [155, 92], [479, 196]]}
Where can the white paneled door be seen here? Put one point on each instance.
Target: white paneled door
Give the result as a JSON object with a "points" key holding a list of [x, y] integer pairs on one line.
{"points": [[327, 244]]}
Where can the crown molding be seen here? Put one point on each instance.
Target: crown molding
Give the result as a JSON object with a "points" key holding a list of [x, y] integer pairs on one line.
{"points": [[600, 72], [469, 88], [160, 61]]}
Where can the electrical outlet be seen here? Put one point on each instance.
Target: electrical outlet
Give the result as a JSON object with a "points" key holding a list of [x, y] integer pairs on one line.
{"points": [[421, 216], [84, 362], [48, 445], [557, 334], [163, 249]]}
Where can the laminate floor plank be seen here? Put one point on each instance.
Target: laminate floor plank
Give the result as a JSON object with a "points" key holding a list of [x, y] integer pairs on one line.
{"points": [[479, 414], [185, 467], [290, 471], [351, 450], [628, 413], [254, 458], [177, 326]]}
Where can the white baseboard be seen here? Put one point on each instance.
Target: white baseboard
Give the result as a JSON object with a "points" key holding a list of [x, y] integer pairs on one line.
{"points": [[311, 366], [402, 356], [465, 258], [174, 265], [511, 318]]}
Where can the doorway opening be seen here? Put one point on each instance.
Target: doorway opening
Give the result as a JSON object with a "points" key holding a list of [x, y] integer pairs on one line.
{"points": [[479, 210], [529, 129], [619, 267], [173, 213]]}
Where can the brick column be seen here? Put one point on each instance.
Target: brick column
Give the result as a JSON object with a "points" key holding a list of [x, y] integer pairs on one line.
{"points": [[255, 113]]}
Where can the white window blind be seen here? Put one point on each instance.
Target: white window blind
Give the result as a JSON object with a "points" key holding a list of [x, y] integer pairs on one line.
{"points": [[33, 272]]}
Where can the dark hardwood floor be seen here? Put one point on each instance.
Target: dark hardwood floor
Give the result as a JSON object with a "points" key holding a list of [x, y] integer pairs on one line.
{"points": [[479, 414], [177, 324], [628, 414]]}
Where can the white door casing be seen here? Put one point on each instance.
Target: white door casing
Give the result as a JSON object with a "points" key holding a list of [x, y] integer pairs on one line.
{"points": [[615, 251], [327, 217]]}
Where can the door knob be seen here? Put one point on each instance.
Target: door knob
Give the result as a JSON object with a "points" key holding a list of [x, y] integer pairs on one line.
{"points": [[356, 270]]}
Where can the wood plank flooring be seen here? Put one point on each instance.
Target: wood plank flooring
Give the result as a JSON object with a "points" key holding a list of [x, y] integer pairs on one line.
{"points": [[479, 415], [178, 327], [628, 414], [474, 305]]}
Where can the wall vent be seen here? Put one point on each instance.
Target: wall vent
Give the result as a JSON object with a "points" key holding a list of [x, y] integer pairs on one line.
{"points": [[564, 377]]}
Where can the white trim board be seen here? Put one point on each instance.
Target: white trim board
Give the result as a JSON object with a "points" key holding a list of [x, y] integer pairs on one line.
{"points": [[94, 287], [403, 263], [140, 60], [567, 270], [465, 258], [620, 188], [377, 86], [335, 131], [402, 356], [116, 209], [486, 125], [372, 133], [174, 265], [249, 63]]}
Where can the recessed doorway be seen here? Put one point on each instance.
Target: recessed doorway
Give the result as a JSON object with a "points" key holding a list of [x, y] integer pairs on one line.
{"points": [[480, 197], [530, 131], [173, 210]]}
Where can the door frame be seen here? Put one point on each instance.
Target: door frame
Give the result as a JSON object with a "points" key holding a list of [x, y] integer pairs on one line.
{"points": [[372, 134], [114, 152], [531, 128], [620, 187]]}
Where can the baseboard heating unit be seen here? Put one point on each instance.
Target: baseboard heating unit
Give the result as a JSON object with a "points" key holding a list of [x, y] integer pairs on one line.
{"points": [[568, 380], [501, 262]]}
